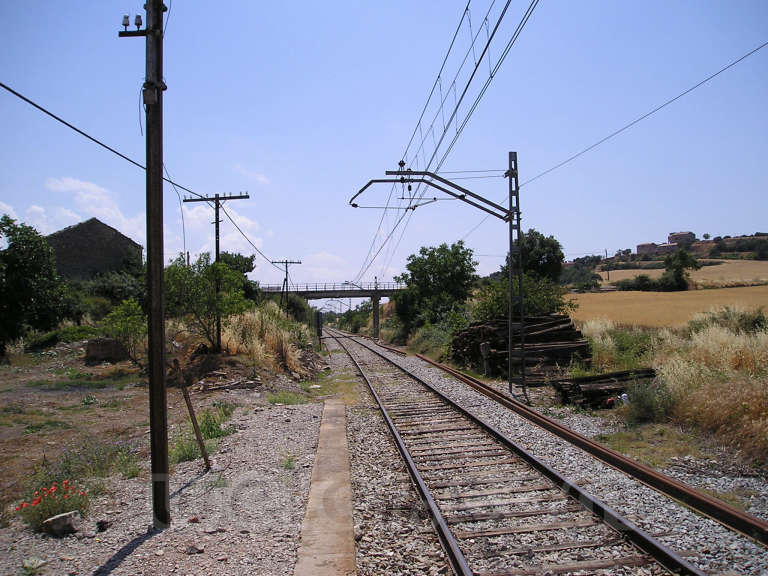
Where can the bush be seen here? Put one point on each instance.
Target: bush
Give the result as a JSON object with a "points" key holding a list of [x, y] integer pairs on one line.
{"points": [[542, 296], [185, 448], [52, 500], [734, 318], [93, 459], [648, 402], [211, 420], [128, 325], [432, 340]]}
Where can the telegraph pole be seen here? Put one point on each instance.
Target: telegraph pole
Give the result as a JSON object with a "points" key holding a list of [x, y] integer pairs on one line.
{"points": [[284, 289], [217, 200], [153, 102]]}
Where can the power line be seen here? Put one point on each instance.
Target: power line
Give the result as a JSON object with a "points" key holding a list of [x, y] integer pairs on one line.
{"points": [[492, 73], [223, 209], [135, 163], [457, 104], [646, 115], [413, 135], [627, 126], [88, 136]]}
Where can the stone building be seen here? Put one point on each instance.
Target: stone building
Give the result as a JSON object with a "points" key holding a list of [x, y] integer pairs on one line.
{"points": [[681, 238], [90, 248], [647, 248]]}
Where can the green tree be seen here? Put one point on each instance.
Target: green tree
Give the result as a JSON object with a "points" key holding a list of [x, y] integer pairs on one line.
{"points": [[244, 265], [31, 292], [191, 294], [542, 256], [127, 324], [541, 296], [676, 266], [438, 280]]}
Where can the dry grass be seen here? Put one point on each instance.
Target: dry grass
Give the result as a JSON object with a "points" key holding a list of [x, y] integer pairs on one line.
{"points": [[729, 273], [267, 336], [716, 377], [662, 309]]}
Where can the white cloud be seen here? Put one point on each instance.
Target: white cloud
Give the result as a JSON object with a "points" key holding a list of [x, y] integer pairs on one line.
{"points": [[7, 209], [35, 216], [251, 175], [92, 200]]}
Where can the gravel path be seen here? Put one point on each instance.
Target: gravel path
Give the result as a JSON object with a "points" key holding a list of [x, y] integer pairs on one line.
{"points": [[717, 549], [242, 518]]}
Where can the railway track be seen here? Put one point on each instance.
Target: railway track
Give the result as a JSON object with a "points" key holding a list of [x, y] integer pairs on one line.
{"points": [[497, 509]]}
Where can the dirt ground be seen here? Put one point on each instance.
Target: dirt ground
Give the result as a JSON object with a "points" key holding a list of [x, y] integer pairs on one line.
{"points": [[52, 401]]}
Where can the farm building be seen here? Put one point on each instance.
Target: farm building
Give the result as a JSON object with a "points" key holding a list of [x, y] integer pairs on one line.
{"points": [[647, 248], [681, 238], [90, 248]]}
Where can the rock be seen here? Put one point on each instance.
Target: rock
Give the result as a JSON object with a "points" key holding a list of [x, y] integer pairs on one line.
{"points": [[102, 525], [62, 524], [104, 350], [193, 520], [194, 549]]}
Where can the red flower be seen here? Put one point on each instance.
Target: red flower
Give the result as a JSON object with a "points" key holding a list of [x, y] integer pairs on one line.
{"points": [[18, 508], [36, 501], [24, 504], [66, 495], [82, 493]]}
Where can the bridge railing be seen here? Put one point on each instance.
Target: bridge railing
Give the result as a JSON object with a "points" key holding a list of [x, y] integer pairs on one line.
{"points": [[331, 287]]}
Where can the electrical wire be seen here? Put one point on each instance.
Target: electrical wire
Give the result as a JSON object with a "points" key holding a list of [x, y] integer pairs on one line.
{"points": [[627, 126], [644, 116], [524, 20], [181, 210], [89, 137], [413, 135], [135, 163], [244, 235]]}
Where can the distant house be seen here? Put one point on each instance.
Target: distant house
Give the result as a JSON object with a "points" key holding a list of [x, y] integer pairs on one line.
{"points": [[668, 248], [681, 238], [90, 248], [647, 248]]}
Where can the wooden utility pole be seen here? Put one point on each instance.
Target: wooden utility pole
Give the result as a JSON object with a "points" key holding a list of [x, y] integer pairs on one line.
{"points": [[217, 200], [153, 102], [284, 289]]}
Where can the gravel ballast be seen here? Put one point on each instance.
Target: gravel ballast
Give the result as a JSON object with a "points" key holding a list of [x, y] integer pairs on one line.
{"points": [[716, 548], [393, 532]]}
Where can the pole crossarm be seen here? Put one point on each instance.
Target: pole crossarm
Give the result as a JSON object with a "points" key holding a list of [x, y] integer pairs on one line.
{"points": [[510, 215], [495, 210]]}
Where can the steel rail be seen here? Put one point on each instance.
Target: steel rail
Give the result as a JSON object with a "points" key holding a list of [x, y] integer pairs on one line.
{"points": [[746, 524], [455, 556], [662, 554]]}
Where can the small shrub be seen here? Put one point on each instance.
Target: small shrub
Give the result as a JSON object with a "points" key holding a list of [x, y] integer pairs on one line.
{"points": [[648, 402], [285, 397], [88, 400], [734, 318], [52, 500], [288, 462], [185, 448], [44, 426]]}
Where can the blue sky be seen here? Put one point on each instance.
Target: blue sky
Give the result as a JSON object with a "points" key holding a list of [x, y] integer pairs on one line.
{"points": [[301, 104]]}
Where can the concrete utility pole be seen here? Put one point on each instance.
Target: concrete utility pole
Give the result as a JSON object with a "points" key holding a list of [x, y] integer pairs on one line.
{"points": [[217, 200], [153, 102], [284, 289], [516, 247]]}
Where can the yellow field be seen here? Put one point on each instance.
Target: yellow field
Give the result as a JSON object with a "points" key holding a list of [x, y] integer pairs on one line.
{"points": [[663, 308], [731, 271]]}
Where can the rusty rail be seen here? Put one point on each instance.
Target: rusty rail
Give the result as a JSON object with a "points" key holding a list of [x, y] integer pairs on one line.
{"points": [[727, 515]]}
